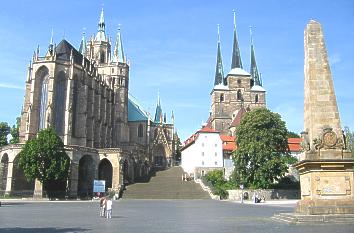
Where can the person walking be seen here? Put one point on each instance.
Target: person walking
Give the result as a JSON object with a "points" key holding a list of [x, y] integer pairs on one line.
{"points": [[102, 206], [109, 204]]}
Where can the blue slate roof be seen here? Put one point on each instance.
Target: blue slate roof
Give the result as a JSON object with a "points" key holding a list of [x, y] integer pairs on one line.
{"points": [[135, 111]]}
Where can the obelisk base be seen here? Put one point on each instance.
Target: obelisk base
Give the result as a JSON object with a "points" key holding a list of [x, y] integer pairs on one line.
{"points": [[326, 187]]}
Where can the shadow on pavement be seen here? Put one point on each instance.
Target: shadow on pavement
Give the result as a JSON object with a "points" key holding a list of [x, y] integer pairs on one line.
{"points": [[42, 230]]}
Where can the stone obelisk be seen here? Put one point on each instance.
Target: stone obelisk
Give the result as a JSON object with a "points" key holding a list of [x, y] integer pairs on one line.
{"points": [[326, 167]]}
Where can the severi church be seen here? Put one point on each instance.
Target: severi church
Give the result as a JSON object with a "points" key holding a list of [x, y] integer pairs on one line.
{"points": [[236, 92], [84, 95]]}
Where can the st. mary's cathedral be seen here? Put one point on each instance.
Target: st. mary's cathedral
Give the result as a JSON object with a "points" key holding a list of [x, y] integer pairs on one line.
{"points": [[84, 95]]}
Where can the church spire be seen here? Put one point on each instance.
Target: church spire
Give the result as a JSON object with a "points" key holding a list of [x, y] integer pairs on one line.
{"points": [[158, 112], [219, 70], [236, 55], [254, 69], [101, 31], [82, 48], [118, 55]]}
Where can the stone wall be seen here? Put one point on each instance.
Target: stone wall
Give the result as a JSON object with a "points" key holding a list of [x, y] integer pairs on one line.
{"points": [[268, 194]]}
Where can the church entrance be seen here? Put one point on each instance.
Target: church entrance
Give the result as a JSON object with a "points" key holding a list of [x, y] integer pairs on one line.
{"points": [[105, 171], [20, 185], [159, 156], [86, 177], [3, 173]]}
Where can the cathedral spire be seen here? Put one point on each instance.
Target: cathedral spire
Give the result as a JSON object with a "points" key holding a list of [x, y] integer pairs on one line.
{"points": [[101, 32], [254, 69], [158, 112], [236, 55], [118, 49], [82, 48], [219, 70]]}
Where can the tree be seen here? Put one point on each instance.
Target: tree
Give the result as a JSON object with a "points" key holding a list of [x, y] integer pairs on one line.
{"points": [[262, 154], [293, 135], [4, 131], [178, 147], [44, 158], [15, 131]]}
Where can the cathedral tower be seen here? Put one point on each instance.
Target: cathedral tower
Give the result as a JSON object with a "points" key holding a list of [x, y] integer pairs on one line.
{"points": [[238, 90]]}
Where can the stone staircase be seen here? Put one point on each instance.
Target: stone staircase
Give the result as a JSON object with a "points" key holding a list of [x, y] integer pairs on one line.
{"points": [[165, 184]]}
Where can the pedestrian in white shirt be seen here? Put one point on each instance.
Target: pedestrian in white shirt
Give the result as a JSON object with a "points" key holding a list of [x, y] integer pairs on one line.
{"points": [[109, 208]]}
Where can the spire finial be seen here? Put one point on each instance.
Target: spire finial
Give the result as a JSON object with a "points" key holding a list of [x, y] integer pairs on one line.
{"points": [[218, 33], [234, 18], [251, 39], [51, 38]]}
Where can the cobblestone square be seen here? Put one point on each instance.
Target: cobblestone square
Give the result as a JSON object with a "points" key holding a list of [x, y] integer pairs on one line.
{"points": [[151, 216]]}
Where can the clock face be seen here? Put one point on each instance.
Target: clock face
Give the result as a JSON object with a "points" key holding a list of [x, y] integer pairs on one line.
{"points": [[330, 138]]}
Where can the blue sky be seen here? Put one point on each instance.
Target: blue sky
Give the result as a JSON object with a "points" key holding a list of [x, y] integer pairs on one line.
{"points": [[172, 49]]}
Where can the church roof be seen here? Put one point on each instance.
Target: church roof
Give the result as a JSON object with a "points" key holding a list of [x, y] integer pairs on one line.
{"points": [[257, 88], [63, 51], [237, 120], [239, 71], [135, 111], [221, 87]]}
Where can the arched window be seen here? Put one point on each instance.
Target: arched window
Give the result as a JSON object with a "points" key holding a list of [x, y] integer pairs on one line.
{"points": [[239, 82], [102, 57], [140, 131], [256, 98], [239, 95], [59, 101], [44, 102], [75, 104], [221, 97]]}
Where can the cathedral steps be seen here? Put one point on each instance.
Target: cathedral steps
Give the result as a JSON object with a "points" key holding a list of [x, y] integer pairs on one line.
{"points": [[166, 184]]}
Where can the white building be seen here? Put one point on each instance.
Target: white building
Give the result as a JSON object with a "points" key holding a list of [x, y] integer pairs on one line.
{"points": [[202, 152]]}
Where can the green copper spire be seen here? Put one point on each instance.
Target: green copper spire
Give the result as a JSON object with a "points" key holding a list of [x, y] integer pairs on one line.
{"points": [[82, 48], [236, 55], [118, 55], [101, 32], [158, 112], [254, 69], [219, 70]]}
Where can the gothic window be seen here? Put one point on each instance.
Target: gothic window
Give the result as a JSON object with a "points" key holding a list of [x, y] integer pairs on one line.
{"points": [[140, 131], [75, 105], [102, 57], [221, 97], [256, 98], [239, 95], [44, 102], [251, 82], [59, 101]]}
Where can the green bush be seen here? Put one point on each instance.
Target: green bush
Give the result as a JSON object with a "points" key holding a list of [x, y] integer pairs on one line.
{"points": [[219, 185]]}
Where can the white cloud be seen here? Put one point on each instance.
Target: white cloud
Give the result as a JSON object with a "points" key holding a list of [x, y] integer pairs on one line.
{"points": [[11, 86]]}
